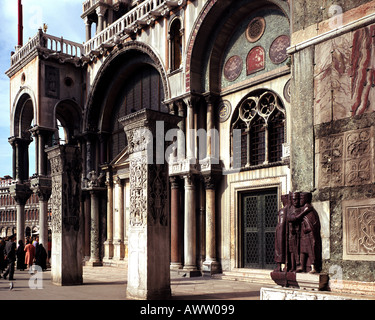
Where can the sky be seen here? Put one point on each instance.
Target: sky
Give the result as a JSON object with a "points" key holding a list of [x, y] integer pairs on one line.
{"points": [[63, 19]]}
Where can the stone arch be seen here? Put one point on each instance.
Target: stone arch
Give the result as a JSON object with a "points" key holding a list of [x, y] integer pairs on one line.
{"points": [[23, 112], [118, 63], [214, 28], [69, 113]]}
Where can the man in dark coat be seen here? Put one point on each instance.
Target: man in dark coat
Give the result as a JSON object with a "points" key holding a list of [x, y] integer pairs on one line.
{"points": [[10, 252]]}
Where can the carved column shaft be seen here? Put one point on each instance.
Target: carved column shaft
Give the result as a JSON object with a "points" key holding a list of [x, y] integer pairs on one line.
{"points": [[149, 240], [66, 218], [94, 239]]}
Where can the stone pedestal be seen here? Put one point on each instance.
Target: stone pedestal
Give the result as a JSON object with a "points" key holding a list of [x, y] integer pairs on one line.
{"points": [[278, 293], [66, 259], [308, 281], [149, 225]]}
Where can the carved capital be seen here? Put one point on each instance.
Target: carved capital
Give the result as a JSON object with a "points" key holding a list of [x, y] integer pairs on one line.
{"points": [[20, 193], [42, 186]]}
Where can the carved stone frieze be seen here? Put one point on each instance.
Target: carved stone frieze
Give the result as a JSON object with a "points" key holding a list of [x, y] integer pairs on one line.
{"points": [[346, 159], [158, 191], [359, 230], [66, 187], [138, 191]]}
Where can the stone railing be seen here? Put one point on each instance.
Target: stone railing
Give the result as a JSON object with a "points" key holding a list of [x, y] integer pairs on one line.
{"points": [[5, 183], [90, 3], [43, 40], [143, 14]]}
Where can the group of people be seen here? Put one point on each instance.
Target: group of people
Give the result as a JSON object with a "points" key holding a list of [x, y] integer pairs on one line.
{"points": [[25, 255]]}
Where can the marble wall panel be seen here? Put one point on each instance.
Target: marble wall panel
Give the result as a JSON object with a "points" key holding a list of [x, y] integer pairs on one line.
{"points": [[346, 159], [344, 76], [323, 82], [341, 80]]}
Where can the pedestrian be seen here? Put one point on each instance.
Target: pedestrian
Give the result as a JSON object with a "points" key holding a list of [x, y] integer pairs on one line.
{"points": [[2, 257], [30, 254], [21, 256], [41, 257], [36, 241], [10, 252]]}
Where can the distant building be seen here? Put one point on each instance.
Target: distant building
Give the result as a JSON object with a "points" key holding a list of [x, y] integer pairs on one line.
{"points": [[8, 212]]}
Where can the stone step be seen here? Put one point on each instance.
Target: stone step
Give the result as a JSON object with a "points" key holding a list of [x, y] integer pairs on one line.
{"points": [[247, 275]]}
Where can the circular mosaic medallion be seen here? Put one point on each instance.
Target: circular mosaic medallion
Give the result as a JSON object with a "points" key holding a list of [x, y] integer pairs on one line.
{"points": [[255, 29], [233, 68], [287, 91], [225, 109], [278, 49]]}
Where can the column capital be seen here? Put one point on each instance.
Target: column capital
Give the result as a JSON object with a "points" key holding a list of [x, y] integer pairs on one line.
{"points": [[175, 182], [42, 186], [20, 192]]}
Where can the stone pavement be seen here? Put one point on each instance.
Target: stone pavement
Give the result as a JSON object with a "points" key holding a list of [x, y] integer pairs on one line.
{"points": [[109, 283]]}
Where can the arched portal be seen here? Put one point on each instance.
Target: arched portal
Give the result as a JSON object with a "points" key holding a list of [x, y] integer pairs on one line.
{"points": [[131, 79]]}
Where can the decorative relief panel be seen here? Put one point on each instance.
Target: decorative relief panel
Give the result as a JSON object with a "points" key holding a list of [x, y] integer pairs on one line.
{"points": [[255, 29], [278, 49], [255, 60], [347, 159], [233, 68], [138, 191], [158, 195], [359, 230]]}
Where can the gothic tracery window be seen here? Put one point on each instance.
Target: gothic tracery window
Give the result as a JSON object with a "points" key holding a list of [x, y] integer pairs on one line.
{"points": [[260, 119]]}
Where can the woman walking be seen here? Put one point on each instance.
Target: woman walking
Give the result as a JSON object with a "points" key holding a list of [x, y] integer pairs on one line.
{"points": [[30, 254]]}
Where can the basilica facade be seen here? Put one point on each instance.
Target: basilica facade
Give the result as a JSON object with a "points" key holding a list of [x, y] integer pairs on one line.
{"points": [[166, 140]]}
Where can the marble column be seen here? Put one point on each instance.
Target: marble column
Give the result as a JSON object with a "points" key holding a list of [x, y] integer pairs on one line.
{"points": [[94, 234], [20, 193], [88, 28], [100, 11], [66, 259], [149, 228], [108, 244], [190, 231], [210, 265], [118, 243], [176, 239]]}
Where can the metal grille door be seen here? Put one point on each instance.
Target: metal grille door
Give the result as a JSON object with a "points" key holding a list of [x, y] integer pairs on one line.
{"points": [[259, 220]]}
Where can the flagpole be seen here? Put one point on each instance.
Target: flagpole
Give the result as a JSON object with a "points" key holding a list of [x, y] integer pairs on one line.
{"points": [[20, 24]]}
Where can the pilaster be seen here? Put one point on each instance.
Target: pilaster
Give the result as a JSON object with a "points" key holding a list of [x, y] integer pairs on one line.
{"points": [[149, 225], [67, 226]]}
